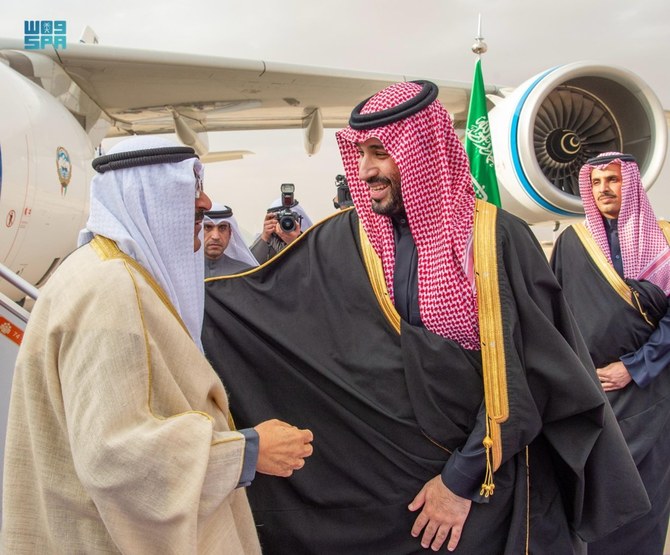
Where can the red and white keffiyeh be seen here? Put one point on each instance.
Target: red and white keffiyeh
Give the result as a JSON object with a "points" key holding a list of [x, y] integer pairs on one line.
{"points": [[644, 249], [439, 202]]}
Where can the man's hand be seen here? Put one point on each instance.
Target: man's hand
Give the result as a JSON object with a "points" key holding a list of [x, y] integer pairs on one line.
{"points": [[613, 376], [288, 236], [270, 224], [443, 512], [282, 448]]}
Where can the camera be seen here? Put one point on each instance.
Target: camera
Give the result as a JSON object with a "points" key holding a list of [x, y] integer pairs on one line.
{"points": [[343, 194], [287, 218]]}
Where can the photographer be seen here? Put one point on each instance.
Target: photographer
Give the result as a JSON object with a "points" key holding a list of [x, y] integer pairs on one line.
{"points": [[284, 221], [342, 199]]}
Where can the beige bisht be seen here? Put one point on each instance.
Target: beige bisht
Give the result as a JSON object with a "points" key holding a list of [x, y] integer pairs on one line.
{"points": [[118, 437]]}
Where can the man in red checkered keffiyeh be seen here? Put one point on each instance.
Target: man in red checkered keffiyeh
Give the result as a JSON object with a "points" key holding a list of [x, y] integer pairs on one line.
{"points": [[437, 197], [615, 273], [397, 393], [645, 253], [410, 182]]}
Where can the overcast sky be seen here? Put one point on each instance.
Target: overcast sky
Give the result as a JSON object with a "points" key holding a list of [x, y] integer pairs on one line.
{"points": [[426, 38]]}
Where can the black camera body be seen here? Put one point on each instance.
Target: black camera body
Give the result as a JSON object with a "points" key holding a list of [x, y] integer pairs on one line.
{"points": [[287, 218], [343, 193]]}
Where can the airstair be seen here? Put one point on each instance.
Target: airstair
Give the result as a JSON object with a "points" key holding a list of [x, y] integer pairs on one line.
{"points": [[13, 321]]}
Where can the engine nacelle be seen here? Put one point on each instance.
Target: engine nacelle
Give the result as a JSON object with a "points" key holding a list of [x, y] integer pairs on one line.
{"points": [[550, 125]]}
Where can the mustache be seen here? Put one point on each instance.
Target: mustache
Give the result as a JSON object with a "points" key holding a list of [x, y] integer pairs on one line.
{"points": [[607, 195], [378, 179], [199, 215]]}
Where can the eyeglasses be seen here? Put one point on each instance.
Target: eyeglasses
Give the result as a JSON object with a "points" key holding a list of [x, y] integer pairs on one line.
{"points": [[199, 185]]}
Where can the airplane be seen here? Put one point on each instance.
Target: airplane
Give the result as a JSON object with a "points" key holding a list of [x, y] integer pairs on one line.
{"points": [[56, 106]]}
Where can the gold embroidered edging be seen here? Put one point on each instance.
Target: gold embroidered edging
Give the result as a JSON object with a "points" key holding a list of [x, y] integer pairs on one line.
{"points": [[147, 349], [282, 252], [665, 228], [527, 500], [435, 442], [107, 249], [373, 265], [491, 336], [606, 269]]}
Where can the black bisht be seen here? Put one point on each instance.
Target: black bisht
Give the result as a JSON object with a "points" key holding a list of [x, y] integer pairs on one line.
{"points": [[302, 338]]}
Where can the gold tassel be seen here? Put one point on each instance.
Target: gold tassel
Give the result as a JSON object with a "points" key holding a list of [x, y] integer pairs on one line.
{"points": [[488, 486]]}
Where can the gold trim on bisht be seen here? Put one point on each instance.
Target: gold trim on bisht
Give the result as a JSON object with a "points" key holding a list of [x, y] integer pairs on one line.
{"points": [[491, 337], [665, 228], [373, 265], [625, 291], [601, 262], [108, 249], [490, 324]]}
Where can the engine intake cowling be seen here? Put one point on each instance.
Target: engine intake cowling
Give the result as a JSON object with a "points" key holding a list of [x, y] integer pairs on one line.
{"points": [[550, 125]]}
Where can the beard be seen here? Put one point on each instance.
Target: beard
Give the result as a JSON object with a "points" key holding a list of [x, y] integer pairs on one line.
{"points": [[199, 216], [390, 205]]}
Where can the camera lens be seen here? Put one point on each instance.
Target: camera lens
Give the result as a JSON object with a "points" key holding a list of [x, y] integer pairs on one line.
{"points": [[287, 222]]}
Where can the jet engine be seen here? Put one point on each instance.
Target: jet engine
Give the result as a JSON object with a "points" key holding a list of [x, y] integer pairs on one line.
{"points": [[549, 126]]}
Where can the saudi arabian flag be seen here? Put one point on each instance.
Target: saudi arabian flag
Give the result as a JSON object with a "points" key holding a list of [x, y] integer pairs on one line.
{"points": [[478, 143]]}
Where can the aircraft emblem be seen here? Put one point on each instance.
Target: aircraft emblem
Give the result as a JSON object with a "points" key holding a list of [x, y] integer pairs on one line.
{"points": [[10, 331], [64, 167]]}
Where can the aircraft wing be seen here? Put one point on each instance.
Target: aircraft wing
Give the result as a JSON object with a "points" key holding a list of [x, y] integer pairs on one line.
{"points": [[541, 132], [139, 91]]}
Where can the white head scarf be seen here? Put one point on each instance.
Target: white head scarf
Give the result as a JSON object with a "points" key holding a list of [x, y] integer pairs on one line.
{"points": [[149, 211], [236, 248], [306, 221]]}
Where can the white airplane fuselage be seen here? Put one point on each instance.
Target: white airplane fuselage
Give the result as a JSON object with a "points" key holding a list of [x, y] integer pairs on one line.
{"points": [[44, 178]]}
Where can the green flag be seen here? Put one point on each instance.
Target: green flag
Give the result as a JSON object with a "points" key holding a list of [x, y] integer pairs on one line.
{"points": [[478, 143]]}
